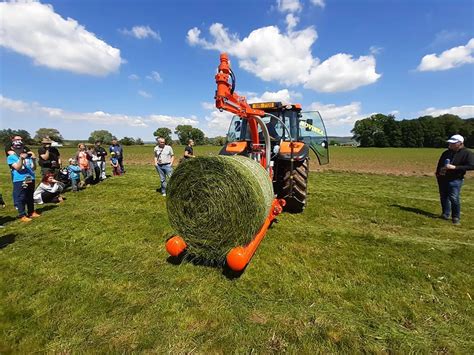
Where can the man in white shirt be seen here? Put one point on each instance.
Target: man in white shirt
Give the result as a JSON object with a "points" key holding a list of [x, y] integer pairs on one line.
{"points": [[164, 158]]}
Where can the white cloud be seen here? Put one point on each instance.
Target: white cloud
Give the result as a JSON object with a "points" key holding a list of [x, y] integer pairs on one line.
{"points": [[289, 6], [37, 112], [342, 73], [35, 30], [13, 105], [284, 96], [133, 77], [334, 116], [291, 22], [144, 94], [451, 58], [464, 111], [319, 3], [261, 53], [208, 105], [155, 76], [217, 123], [141, 32]]}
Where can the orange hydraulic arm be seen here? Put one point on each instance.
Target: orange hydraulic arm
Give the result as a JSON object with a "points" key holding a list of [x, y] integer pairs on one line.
{"points": [[227, 99]]}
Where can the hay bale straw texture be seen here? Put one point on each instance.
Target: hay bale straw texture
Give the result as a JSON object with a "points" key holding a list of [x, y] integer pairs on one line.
{"points": [[217, 203]]}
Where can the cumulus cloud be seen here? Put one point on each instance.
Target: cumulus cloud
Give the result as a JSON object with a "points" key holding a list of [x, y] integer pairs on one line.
{"points": [[464, 111], [319, 3], [284, 96], [335, 116], [261, 53], [291, 22], [342, 73], [155, 76], [451, 58], [141, 32], [217, 123], [289, 6], [35, 30], [144, 94], [133, 77], [38, 112]]}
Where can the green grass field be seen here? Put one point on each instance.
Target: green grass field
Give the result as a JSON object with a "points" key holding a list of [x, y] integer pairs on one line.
{"points": [[367, 267]]}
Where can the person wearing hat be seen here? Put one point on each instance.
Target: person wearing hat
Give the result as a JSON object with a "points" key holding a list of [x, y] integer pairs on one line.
{"points": [[49, 158], [452, 167]]}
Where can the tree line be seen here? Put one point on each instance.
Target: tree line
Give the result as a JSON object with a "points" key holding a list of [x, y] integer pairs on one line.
{"points": [[183, 132], [426, 131]]}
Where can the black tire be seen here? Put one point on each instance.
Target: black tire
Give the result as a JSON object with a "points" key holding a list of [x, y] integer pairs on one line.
{"points": [[295, 198]]}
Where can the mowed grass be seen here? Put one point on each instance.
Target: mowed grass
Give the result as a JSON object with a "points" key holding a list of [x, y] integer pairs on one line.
{"points": [[366, 267]]}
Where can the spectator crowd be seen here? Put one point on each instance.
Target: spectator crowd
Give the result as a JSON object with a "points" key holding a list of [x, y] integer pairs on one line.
{"points": [[87, 167]]}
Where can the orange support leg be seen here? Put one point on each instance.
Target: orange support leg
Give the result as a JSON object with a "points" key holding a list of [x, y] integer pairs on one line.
{"points": [[239, 257]]}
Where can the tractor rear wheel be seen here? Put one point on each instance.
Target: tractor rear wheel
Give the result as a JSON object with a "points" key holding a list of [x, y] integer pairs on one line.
{"points": [[295, 197]]}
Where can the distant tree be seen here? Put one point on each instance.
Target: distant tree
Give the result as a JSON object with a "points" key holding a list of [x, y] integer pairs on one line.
{"points": [[186, 132], [165, 133], [127, 141], [364, 131], [101, 135], [52, 133], [219, 140], [139, 141], [412, 132], [7, 134]]}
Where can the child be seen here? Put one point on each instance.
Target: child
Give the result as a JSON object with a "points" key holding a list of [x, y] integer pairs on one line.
{"points": [[117, 171], [74, 171]]}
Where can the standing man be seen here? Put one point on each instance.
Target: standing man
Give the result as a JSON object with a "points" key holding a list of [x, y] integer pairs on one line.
{"points": [[118, 150], [452, 167], [188, 150], [101, 154], [49, 158], [164, 158]]}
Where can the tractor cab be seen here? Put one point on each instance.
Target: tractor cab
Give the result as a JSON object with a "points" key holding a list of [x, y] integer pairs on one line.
{"points": [[304, 127]]}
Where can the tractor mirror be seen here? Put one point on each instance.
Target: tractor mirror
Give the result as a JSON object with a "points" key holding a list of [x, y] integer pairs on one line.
{"points": [[309, 123]]}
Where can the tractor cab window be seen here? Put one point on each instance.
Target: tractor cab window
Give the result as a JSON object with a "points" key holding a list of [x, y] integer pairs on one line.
{"points": [[235, 129], [313, 132]]}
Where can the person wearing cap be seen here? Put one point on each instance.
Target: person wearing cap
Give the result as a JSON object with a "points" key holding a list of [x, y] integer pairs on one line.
{"points": [[49, 158], [452, 166], [164, 158]]}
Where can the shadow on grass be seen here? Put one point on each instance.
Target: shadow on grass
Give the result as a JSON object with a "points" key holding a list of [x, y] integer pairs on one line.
{"points": [[198, 261], [6, 219], [416, 210], [46, 208], [6, 240]]}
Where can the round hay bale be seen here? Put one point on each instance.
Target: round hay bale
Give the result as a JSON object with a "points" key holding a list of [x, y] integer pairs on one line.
{"points": [[217, 203]]}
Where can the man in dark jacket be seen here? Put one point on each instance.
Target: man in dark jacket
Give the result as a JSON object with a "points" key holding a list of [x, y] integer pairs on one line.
{"points": [[452, 167], [118, 150], [49, 158]]}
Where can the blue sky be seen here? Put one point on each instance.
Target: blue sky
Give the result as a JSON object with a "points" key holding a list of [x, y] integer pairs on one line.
{"points": [[133, 66]]}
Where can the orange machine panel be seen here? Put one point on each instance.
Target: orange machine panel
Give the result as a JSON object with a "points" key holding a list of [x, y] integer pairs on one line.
{"points": [[236, 147], [285, 147]]}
